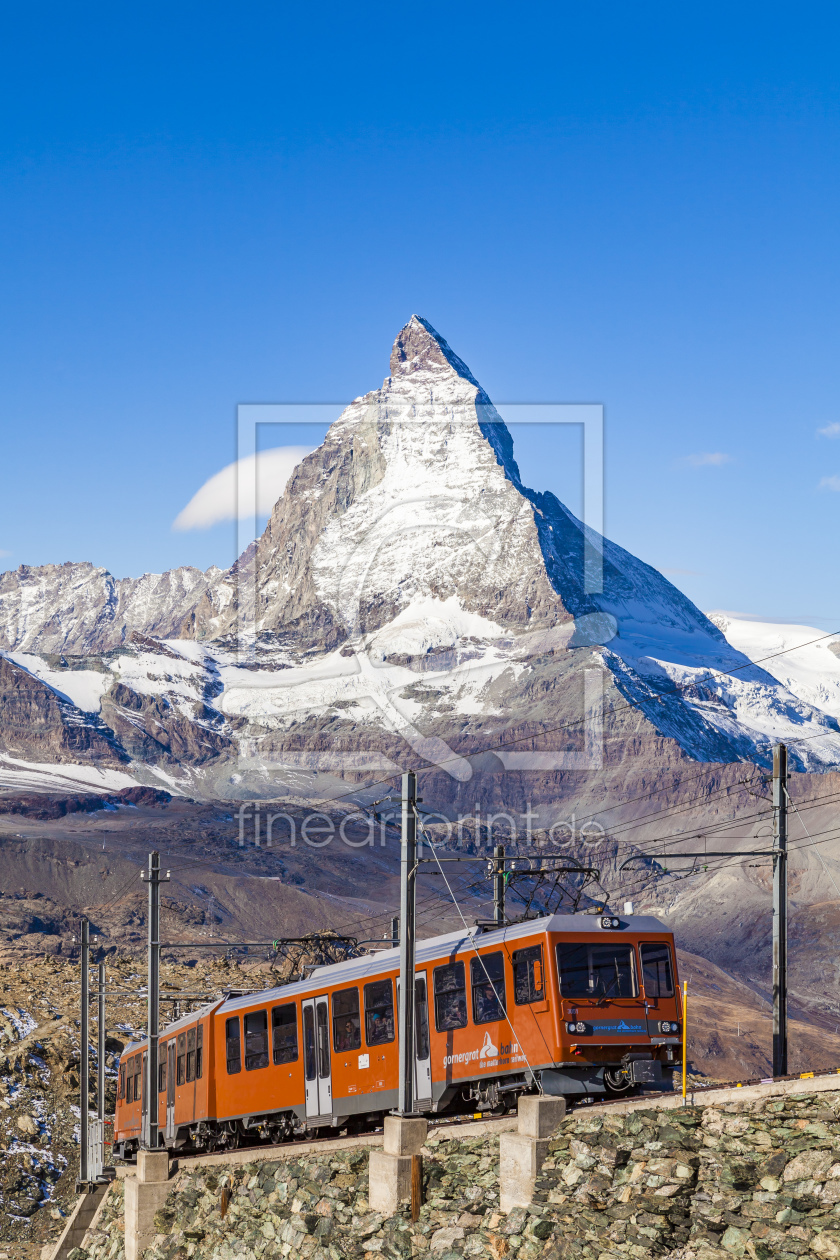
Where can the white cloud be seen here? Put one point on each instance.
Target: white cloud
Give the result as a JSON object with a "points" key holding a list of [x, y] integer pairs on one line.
{"points": [[830, 483], [262, 479], [5, 553], [830, 431], [706, 459]]}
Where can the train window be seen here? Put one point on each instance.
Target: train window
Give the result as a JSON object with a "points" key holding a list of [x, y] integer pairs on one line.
{"points": [[121, 1093], [181, 1061], [284, 1033], [657, 976], [347, 1026], [528, 976], [599, 971], [199, 1052], [450, 988], [487, 977], [233, 1046], [256, 1040], [162, 1068], [309, 1065], [379, 1012], [191, 1055], [421, 1018], [137, 1070]]}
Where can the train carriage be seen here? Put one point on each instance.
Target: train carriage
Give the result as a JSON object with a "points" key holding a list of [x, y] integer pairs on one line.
{"points": [[572, 1004]]}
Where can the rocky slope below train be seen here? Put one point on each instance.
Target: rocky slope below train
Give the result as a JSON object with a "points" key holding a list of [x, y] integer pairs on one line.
{"points": [[410, 599], [758, 1179]]}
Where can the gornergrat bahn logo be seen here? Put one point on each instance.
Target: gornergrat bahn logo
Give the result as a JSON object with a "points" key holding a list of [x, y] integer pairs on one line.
{"points": [[485, 1055]]}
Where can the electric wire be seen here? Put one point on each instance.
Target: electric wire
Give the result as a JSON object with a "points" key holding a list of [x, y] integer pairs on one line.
{"points": [[502, 1006]]}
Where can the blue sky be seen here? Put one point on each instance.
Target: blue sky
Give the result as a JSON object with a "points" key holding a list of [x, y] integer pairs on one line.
{"points": [[207, 205]]}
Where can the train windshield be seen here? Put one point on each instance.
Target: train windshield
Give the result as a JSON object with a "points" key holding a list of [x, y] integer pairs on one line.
{"points": [[657, 976], [602, 970]]}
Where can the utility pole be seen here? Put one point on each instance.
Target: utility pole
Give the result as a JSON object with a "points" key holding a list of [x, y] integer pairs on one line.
{"points": [[780, 1055], [151, 1139], [408, 887], [84, 1058], [499, 887]]}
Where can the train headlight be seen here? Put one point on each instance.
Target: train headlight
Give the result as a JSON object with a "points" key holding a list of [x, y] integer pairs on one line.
{"points": [[578, 1027], [609, 921], [668, 1027]]}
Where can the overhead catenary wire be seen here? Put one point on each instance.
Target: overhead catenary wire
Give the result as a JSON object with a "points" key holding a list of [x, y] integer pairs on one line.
{"points": [[501, 1005]]}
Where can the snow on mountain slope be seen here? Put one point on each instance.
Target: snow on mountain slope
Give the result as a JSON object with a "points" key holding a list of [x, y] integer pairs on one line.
{"points": [[408, 590], [804, 659], [82, 687], [79, 608], [66, 777]]}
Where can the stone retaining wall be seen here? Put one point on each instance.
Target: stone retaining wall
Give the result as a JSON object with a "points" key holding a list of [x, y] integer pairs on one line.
{"points": [[753, 1178]]}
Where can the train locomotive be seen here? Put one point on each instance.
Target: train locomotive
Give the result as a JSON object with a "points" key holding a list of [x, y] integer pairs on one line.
{"points": [[572, 1004]]}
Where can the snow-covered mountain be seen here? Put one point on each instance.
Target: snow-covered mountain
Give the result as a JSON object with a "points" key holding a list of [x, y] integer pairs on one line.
{"points": [[803, 659], [410, 602]]}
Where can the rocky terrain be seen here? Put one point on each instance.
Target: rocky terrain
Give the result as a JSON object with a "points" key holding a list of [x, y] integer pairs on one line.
{"points": [[39, 1074], [754, 1179]]}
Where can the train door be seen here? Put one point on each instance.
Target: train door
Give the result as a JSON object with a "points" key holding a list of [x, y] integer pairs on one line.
{"points": [[316, 1057], [422, 1060], [422, 1052], [170, 1091]]}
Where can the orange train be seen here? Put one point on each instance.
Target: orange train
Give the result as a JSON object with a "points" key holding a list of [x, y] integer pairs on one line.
{"points": [[579, 1004]]}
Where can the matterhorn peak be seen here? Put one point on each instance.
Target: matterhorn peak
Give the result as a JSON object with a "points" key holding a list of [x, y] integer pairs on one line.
{"points": [[419, 347]]}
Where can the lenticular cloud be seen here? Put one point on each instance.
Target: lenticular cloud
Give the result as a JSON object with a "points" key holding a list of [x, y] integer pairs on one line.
{"points": [[263, 479]]}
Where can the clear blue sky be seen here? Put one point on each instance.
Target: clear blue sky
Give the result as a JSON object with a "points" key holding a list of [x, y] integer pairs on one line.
{"points": [[207, 204]]}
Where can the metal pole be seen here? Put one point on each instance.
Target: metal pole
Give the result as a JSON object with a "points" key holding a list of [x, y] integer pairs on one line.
{"points": [[499, 887], [100, 1052], [151, 1136], [780, 1055], [685, 1037], [395, 932], [84, 1056], [408, 868]]}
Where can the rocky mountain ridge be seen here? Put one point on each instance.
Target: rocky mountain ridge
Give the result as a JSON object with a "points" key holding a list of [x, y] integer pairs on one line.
{"points": [[409, 599]]}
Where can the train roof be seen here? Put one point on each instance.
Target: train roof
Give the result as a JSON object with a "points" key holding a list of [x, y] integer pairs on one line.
{"points": [[431, 950], [434, 949], [185, 1021]]}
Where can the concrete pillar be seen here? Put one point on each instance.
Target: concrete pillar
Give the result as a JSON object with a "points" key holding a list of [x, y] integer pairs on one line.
{"points": [[522, 1154], [144, 1195], [390, 1168]]}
